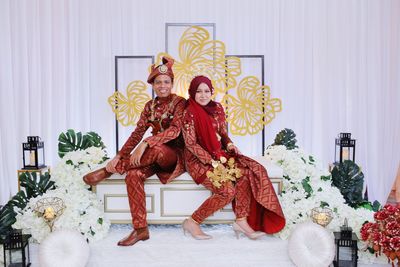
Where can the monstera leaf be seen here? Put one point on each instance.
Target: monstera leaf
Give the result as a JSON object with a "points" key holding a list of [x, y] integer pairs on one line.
{"points": [[348, 177], [71, 141], [7, 218], [7, 213], [287, 138], [34, 186]]}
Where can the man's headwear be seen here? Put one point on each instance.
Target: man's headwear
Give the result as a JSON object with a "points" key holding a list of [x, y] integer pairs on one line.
{"points": [[165, 68]]}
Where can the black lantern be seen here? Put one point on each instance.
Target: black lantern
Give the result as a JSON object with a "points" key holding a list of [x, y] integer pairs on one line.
{"points": [[16, 249], [33, 153], [346, 247], [345, 148]]}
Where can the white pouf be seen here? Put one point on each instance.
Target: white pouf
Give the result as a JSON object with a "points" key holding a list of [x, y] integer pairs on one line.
{"points": [[64, 248], [311, 245]]}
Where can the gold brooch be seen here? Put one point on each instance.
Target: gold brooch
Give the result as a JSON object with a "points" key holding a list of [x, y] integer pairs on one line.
{"points": [[222, 172], [163, 69]]}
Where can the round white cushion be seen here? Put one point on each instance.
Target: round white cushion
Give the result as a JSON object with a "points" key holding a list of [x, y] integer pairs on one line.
{"points": [[64, 248], [311, 245]]}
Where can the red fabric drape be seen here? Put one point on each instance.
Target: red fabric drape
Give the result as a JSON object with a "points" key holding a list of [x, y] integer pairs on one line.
{"points": [[204, 130]]}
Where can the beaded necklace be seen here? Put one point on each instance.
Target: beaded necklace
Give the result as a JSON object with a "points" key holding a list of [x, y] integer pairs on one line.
{"points": [[165, 115]]}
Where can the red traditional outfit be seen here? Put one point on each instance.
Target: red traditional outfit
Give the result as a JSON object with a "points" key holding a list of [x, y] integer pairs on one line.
{"points": [[206, 138], [163, 157], [164, 154]]}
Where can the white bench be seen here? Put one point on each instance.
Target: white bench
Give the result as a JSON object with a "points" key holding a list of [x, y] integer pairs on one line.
{"points": [[170, 203]]}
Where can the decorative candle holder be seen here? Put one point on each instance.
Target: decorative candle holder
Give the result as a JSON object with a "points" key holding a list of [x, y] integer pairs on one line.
{"points": [[321, 216], [50, 208]]}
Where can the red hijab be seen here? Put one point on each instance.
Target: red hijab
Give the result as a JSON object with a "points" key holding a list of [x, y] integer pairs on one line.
{"points": [[205, 131]]}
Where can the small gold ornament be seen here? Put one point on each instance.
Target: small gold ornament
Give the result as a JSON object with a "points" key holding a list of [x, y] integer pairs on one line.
{"points": [[223, 160], [50, 208], [163, 69]]}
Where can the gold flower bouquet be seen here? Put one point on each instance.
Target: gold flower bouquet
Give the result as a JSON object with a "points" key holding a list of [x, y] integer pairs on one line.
{"points": [[223, 170]]}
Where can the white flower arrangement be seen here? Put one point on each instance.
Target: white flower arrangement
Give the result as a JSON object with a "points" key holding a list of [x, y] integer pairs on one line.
{"points": [[74, 165], [305, 186], [84, 212]]}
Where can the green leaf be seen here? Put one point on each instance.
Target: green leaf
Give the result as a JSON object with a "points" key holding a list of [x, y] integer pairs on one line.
{"points": [[307, 187], [366, 205], [348, 177], [325, 178], [33, 186], [7, 213], [324, 204], [95, 140], [376, 206], [287, 138], [19, 200], [7, 218], [72, 141], [100, 221]]}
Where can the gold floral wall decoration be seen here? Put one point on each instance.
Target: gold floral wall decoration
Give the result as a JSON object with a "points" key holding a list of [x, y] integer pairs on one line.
{"points": [[251, 108], [249, 105], [128, 108], [200, 55]]}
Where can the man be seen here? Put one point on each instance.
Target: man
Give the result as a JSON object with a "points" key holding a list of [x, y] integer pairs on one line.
{"points": [[159, 154]]}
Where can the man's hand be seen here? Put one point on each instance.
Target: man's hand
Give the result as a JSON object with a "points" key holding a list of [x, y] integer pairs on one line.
{"points": [[110, 167], [137, 154]]}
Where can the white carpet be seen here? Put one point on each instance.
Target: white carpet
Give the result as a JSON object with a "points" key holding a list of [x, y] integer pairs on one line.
{"points": [[168, 246]]}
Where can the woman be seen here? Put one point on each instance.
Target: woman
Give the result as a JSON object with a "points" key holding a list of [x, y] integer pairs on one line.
{"points": [[255, 204]]}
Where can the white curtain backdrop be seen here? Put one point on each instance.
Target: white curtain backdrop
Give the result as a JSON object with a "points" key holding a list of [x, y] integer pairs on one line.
{"points": [[334, 64]]}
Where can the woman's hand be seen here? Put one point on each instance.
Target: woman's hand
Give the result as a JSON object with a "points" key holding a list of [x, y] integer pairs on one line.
{"points": [[232, 149], [137, 154], [110, 167]]}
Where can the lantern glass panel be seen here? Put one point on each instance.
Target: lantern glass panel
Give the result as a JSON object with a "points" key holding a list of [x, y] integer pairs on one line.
{"points": [[30, 158], [345, 253], [13, 257], [40, 156], [347, 153]]}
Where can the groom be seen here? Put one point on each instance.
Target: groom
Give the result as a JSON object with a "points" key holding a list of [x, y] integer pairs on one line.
{"points": [[159, 154]]}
